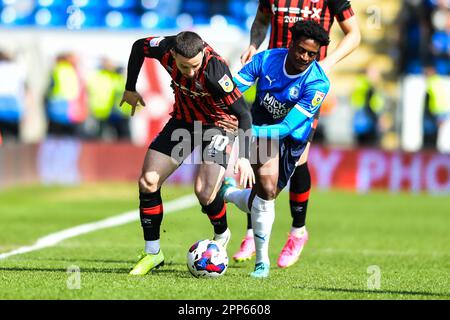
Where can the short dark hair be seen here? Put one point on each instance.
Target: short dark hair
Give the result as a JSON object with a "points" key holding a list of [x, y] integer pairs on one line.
{"points": [[310, 30], [188, 44]]}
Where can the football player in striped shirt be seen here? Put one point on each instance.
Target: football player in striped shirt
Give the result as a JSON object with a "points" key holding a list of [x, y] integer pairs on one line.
{"points": [[204, 94], [281, 15]]}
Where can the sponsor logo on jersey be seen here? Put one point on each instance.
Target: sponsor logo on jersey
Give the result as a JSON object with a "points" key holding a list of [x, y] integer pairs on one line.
{"points": [[302, 13], [226, 84], [317, 100], [274, 107], [155, 41], [188, 92]]}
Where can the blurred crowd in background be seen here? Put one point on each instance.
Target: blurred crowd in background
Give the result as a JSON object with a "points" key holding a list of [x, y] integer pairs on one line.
{"points": [[424, 48], [85, 103], [82, 105]]}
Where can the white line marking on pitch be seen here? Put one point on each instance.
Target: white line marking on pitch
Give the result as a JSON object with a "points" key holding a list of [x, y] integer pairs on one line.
{"points": [[124, 218]]}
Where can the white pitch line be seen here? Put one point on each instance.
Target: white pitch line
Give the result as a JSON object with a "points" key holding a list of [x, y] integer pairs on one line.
{"points": [[124, 218]]}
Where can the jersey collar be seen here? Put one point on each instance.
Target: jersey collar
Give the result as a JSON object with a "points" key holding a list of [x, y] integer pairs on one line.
{"points": [[293, 76]]}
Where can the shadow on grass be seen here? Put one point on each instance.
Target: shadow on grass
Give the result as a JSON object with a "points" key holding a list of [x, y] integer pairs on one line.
{"points": [[410, 293], [83, 270], [82, 260], [169, 267], [242, 265]]}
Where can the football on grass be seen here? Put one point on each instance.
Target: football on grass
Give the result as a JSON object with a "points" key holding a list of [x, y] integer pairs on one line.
{"points": [[207, 259]]}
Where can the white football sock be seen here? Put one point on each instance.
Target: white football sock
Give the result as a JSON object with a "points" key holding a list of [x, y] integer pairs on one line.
{"points": [[223, 238], [263, 215], [152, 247], [298, 232], [249, 233], [239, 197], [223, 235]]}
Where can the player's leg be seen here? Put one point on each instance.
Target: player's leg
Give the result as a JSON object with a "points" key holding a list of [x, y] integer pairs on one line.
{"points": [[239, 197], [299, 191], [216, 147], [207, 183], [263, 205], [159, 164], [242, 198], [157, 167], [300, 185]]}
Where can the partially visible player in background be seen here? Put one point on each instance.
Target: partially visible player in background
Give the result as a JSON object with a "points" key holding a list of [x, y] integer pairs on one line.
{"points": [[281, 15], [204, 94]]}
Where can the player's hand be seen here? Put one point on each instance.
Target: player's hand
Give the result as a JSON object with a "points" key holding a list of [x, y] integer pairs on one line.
{"points": [[248, 54], [247, 176], [134, 99], [230, 126]]}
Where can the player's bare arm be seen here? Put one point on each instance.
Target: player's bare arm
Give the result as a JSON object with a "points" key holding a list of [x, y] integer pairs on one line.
{"points": [[346, 46], [257, 35]]}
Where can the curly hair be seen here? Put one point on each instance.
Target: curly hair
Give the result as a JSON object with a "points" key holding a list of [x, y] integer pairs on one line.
{"points": [[310, 30]]}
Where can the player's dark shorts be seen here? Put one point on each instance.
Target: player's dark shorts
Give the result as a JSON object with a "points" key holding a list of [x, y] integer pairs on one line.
{"points": [[179, 138], [290, 152]]}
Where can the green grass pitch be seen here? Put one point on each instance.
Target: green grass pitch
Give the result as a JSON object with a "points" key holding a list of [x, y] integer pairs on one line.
{"points": [[407, 238]]}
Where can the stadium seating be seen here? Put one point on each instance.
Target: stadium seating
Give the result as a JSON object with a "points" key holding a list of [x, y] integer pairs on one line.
{"points": [[123, 14]]}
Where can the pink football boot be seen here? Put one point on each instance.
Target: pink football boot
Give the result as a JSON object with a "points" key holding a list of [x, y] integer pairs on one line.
{"points": [[292, 250], [246, 251]]}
